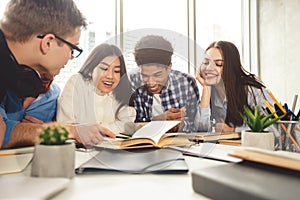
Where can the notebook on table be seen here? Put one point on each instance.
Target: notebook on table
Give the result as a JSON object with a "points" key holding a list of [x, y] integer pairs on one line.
{"points": [[135, 161], [15, 160]]}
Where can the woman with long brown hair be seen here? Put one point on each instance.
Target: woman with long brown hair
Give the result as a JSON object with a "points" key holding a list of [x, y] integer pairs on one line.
{"points": [[227, 87]]}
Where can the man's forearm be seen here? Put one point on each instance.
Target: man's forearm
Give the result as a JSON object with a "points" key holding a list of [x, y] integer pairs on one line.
{"points": [[23, 134]]}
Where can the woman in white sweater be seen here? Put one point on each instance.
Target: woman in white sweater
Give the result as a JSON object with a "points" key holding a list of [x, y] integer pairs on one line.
{"points": [[99, 93]]}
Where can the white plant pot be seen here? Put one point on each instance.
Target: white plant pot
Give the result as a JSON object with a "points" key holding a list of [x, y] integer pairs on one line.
{"points": [[54, 161], [263, 140]]}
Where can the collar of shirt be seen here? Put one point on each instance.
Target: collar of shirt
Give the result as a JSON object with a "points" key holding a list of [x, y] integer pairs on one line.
{"points": [[100, 93]]}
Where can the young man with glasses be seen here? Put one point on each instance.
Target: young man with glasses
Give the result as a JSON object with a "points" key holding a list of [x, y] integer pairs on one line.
{"points": [[160, 92], [36, 36]]}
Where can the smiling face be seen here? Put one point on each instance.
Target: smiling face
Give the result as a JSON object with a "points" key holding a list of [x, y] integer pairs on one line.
{"points": [[106, 75], [212, 66], [155, 77]]}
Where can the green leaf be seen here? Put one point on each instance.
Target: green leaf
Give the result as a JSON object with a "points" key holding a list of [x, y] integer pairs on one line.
{"points": [[256, 112], [257, 125], [257, 121], [265, 118], [249, 114], [272, 121]]}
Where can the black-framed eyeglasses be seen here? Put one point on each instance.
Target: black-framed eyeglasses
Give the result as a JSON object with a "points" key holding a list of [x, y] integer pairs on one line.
{"points": [[76, 51]]}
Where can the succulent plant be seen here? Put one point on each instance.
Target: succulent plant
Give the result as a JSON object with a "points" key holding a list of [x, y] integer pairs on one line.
{"points": [[53, 134], [256, 121]]}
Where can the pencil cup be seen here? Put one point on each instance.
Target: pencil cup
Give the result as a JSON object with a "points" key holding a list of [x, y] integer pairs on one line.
{"points": [[287, 136]]}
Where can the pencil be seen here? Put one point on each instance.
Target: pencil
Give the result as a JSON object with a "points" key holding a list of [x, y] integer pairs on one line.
{"points": [[270, 107], [8, 154], [282, 125], [277, 102]]}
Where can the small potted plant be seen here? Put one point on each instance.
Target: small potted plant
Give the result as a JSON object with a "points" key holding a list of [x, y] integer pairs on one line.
{"points": [[53, 156], [258, 122]]}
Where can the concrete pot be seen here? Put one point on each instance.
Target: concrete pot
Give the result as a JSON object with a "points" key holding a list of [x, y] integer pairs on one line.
{"points": [[263, 140], [54, 161]]}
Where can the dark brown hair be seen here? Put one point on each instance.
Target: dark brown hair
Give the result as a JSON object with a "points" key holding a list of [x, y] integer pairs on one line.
{"points": [[236, 81], [123, 90]]}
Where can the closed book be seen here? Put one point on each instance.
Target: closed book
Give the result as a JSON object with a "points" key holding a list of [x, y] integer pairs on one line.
{"points": [[247, 180]]}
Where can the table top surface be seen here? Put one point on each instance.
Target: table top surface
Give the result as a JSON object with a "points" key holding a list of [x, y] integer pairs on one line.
{"points": [[117, 185]]}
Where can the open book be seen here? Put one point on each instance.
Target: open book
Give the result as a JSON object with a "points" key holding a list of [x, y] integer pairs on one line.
{"points": [[154, 134]]}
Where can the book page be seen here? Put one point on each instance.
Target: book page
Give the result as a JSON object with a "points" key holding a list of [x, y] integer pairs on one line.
{"points": [[119, 143], [210, 150], [155, 129]]}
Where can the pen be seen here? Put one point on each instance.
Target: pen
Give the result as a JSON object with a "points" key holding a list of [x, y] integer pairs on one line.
{"points": [[297, 116], [277, 102], [271, 109], [282, 125], [285, 106], [294, 103], [293, 110]]}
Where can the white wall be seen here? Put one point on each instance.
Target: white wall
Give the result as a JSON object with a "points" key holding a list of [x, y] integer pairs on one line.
{"points": [[279, 47]]}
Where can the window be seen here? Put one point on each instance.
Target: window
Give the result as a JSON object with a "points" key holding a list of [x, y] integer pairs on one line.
{"points": [[190, 25], [218, 20], [2, 7], [100, 15], [167, 18]]}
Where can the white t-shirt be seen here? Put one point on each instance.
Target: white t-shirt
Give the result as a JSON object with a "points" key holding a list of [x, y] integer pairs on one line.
{"points": [[156, 106]]}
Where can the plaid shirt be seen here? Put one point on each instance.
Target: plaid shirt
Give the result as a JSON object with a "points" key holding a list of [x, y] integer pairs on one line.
{"points": [[180, 91]]}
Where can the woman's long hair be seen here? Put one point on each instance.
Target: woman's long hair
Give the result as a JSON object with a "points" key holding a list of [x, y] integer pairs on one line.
{"points": [[123, 91], [236, 79]]}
